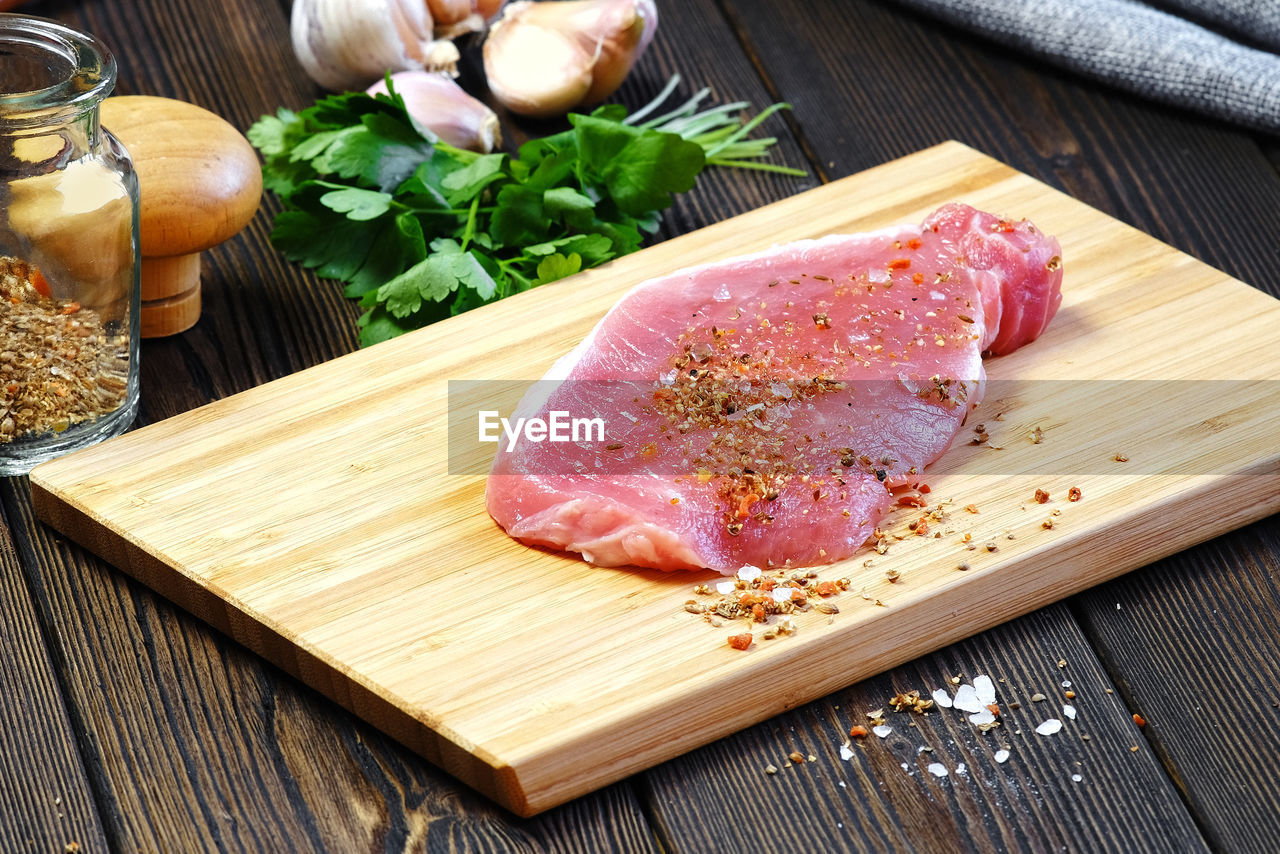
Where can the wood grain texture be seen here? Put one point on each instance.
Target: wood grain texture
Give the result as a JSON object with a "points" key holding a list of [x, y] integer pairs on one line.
{"points": [[336, 597], [1186, 180], [193, 744], [885, 798], [45, 798], [1204, 624], [1207, 189]]}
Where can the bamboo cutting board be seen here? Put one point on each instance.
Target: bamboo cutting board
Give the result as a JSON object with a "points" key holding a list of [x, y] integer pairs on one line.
{"points": [[315, 519]]}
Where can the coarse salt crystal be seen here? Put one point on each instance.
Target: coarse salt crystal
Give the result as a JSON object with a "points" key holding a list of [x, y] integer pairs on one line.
{"points": [[937, 769], [983, 717], [942, 699], [906, 767], [966, 699], [781, 594], [749, 573], [960, 769], [877, 275], [1069, 711], [846, 752], [1002, 756], [1049, 727], [882, 731], [985, 688], [722, 293], [1066, 683], [1076, 778], [724, 588]]}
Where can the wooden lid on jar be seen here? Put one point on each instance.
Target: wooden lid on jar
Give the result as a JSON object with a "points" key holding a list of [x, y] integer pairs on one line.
{"points": [[200, 183]]}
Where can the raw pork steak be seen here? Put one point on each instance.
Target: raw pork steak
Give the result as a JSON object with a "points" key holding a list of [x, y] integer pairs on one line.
{"points": [[758, 410]]}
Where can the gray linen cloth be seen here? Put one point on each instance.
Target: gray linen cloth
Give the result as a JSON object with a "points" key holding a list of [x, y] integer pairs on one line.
{"points": [[1148, 51]]}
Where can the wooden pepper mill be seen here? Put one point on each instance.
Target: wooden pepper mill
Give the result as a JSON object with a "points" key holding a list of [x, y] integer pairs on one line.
{"points": [[200, 184]]}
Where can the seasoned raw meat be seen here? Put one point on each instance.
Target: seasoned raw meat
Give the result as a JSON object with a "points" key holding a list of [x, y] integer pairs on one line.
{"points": [[759, 410]]}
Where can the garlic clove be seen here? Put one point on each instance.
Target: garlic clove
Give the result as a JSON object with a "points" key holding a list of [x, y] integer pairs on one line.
{"points": [[488, 8], [449, 11], [439, 104], [544, 58], [535, 71], [348, 44]]}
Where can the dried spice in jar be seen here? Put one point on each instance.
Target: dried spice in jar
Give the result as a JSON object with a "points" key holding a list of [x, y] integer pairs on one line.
{"points": [[69, 323], [59, 365]]}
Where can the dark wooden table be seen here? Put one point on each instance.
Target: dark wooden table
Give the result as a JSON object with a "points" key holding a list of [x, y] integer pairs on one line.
{"points": [[127, 725]]}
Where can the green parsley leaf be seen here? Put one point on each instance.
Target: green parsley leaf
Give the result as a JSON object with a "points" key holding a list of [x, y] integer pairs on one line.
{"points": [[558, 266], [569, 206], [519, 218], [418, 230], [465, 184], [640, 169], [356, 203]]}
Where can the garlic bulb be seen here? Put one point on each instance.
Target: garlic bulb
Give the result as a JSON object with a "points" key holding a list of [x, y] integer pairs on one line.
{"points": [[545, 58], [348, 44], [441, 106]]}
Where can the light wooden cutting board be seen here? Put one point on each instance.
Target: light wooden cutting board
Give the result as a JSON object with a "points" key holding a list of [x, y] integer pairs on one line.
{"points": [[314, 519]]}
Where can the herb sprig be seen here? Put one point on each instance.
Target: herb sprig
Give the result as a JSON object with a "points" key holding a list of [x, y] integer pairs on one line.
{"points": [[419, 230]]}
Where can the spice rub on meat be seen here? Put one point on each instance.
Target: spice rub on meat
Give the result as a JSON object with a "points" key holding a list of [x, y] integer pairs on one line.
{"points": [[759, 410]]}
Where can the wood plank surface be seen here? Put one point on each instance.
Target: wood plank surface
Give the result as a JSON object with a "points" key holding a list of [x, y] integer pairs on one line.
{"points": [[1203, 621], [264, 318], [1204, 187], [45, 799], [316, 591], [194, 744], [1193, 183], [721, 798]]}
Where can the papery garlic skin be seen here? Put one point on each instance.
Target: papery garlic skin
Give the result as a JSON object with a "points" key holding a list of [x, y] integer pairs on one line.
{"points": [[545, 58], [345, 45], [450, 11], [488, 8], [441, 106]]}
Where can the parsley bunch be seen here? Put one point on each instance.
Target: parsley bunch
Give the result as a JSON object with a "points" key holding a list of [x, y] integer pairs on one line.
{"points": [[419, 230]]}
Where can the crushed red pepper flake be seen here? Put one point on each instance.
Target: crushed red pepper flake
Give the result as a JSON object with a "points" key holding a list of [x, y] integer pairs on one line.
{"points": [[1074, 494], [741, 641], [1042, 497]]}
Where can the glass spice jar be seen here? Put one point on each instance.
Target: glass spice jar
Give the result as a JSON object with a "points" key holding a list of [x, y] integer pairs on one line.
{"points": [[69, 322]]}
